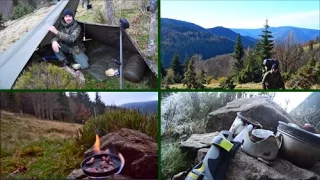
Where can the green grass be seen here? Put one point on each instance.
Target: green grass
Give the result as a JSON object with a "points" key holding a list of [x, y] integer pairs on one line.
{"points": [[25, 144], [114, 83], [43, 159], [173, 161]]}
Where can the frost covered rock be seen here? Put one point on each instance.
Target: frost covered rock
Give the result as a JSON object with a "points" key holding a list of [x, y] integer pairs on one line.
{"points": [[261, 109]]}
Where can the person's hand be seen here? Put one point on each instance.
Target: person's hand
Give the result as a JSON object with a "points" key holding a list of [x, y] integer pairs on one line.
{"points": [[55, 46], [53, 29]]}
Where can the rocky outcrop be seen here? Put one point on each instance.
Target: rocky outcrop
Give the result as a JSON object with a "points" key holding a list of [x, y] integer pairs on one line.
{"points": [[196, 142], [139, 151], [78, 174], [261, 109], [245, 167]]}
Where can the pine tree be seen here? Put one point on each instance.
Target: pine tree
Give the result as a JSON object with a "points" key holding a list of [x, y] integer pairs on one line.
{"points": [[202, 77], [266, 42], [163, 70], [1, 22], [99, 105], [64, 110], [185, 64], [238, 54], [176, 67], [190, 77]]}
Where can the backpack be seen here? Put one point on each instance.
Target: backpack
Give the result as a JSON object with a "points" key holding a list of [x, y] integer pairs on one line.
{"points": [[269, 62]]}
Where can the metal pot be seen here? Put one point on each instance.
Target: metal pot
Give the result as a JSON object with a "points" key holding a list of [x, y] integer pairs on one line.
{"points": [[241, 122], [300, 147], [266, 146]]}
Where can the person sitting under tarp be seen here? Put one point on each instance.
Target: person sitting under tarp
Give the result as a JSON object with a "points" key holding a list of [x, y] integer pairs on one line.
{"points": [[273, 79], [68, 40]]}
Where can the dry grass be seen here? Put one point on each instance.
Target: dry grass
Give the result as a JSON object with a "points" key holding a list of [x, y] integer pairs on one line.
{"points": [[305, 48], [15, 29], [12, 127], [45, 149], [215, 85]]}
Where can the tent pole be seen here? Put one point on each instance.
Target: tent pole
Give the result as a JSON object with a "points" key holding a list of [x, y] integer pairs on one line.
{"points": [[121, 60]]}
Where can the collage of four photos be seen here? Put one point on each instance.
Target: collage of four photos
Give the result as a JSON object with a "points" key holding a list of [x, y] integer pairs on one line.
{"points": [[160, 89]]}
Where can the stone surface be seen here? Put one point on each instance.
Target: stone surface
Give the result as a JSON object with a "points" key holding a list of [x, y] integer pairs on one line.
{"points": [[261, 109], [78, 174], [196, 142], [244, 167], [201, 154], [139, 151]]}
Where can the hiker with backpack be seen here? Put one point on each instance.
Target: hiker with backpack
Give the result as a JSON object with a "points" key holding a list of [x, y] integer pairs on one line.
{"points": [[273, 79], [67, 40]]}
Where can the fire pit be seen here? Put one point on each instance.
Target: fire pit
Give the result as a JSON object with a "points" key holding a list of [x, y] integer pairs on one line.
{"points": [[102, 164]]}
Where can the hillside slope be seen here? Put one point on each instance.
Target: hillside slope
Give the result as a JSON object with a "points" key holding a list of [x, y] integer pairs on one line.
{"points": [[187, 39]]}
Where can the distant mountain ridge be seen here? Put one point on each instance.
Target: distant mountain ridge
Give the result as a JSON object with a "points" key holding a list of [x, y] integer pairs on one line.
{"points": [[188, 39], [148, 107], [280, 33]]}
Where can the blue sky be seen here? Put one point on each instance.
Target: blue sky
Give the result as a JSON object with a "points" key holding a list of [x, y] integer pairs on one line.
{"points": [[244, 14]]}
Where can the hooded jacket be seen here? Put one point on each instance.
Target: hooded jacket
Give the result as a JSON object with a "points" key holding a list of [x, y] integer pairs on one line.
{"points": [[69, 35]]}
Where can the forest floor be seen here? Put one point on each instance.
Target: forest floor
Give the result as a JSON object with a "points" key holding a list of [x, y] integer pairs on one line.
{"points": [[35, 148]]}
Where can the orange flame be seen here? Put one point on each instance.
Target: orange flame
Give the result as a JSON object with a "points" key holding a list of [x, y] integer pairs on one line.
{"points": [[96, 147]]}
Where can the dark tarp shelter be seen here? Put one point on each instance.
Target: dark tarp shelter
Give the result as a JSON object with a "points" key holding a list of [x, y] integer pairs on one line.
{"points": [[14, 59]]}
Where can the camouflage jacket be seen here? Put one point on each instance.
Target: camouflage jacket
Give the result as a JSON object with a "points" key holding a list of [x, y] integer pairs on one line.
{"points": [[272, 81], [69, 35]]}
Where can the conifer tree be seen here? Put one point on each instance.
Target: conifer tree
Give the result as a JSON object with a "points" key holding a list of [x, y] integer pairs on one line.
{"points": [[177, 68], [202, 77], [238, 54], [266, 42], [190, 77]]}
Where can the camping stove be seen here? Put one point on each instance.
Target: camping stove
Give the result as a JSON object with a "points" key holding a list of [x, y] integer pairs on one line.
{"points": [[94, 171]]}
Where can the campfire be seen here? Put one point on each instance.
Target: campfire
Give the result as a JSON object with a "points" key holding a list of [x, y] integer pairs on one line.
{"points": [[102, 164]]}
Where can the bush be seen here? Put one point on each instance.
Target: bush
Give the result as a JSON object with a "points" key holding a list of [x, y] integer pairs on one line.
{"points": [[222, 79], [306, 76], [46, 76], [286, 76], [208, 79], [226, 83], [169, 78], [114, 120], [173, 160], [21, 10]]}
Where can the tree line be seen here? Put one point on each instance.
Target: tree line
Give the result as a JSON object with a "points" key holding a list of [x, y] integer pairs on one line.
{"points": [[76, 107]]}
